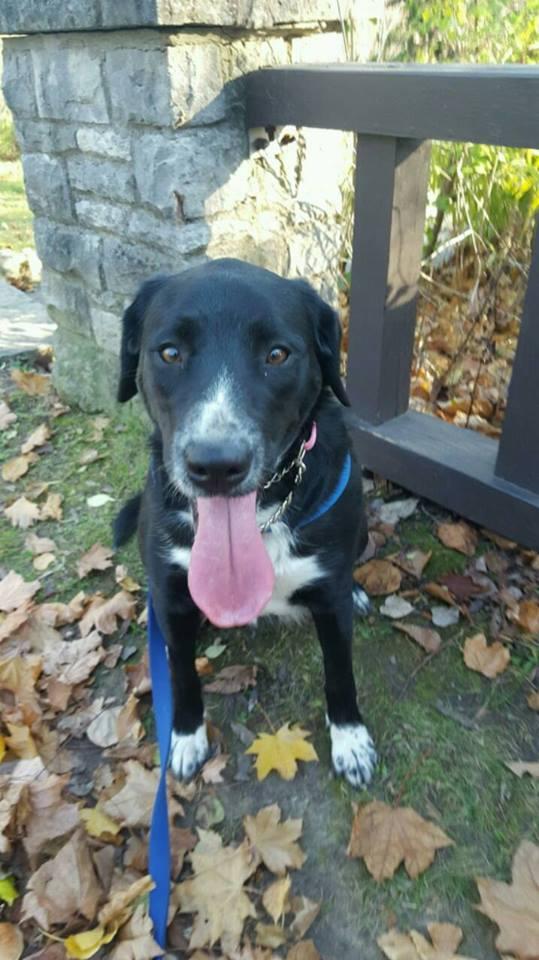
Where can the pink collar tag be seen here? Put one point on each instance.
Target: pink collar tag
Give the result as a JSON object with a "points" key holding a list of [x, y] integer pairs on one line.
{"points": [[312, 439]]}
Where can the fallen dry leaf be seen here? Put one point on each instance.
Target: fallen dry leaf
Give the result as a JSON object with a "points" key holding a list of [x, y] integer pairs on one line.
{"points": [[395, 607], [458, 536], [279, 751], [134, 940], [37, 545], [123, 899], [488, 660], [15, 468], [275, 842], [533, 700], [6, 416], [19, 675], [427, 638], [306, 912], [386, 836], [103, 614], [116, 724], [43, 561], [124, 580], [213, 769], [20, 741], [34, 384], [526, 616], [65, 887], [412, 562], [132, 805], [515, 907], [378, 577], [97, 557], [11, 622], [233, 679], [305, 950], [520, 767], [52, 508], [70, 661], [37, 438], [98, 824], [22, 513], [49, 815], [11, 942], [275, 897], [445, 941], [215, 892], [270, 935], [15, 591]]}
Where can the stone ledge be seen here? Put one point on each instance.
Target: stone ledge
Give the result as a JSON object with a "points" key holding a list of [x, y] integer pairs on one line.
{"points": [[35, 16]]}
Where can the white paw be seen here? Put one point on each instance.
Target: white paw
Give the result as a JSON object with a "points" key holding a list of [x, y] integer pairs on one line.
{"points": [[362, 603], [188, 751], [352, 753]]}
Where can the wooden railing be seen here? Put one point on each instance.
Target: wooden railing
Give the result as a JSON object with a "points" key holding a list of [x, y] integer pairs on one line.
{"points": [[396, 111]]}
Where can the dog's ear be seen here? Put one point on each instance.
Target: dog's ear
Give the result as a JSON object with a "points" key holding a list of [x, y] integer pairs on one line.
{"points": [[327, 339], [132, 322]]}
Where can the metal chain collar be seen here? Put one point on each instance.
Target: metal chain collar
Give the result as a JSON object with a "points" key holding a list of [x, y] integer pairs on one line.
{"points": [[299, 464]]}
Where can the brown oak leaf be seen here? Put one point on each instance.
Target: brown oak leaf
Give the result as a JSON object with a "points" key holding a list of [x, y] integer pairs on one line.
{"points": [[488, 660], [275, 842], [514, 907], [458, 536], [378, 577], [386, 836]]}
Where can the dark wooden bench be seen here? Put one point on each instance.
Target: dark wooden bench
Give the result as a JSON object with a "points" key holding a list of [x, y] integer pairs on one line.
{"points": [[396, 111]]}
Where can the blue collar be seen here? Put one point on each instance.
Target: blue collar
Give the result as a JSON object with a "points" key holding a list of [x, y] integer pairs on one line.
{"points": [[335, 495]]}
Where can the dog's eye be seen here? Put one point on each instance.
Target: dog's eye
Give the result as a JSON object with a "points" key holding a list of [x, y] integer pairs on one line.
{"points": [[170, 354], [277, 355]]}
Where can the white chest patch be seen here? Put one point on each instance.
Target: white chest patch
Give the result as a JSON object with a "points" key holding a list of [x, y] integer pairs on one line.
{"points": [[291, 572]]}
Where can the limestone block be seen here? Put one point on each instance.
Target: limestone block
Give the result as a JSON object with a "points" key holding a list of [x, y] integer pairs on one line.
{"points": [[66, 295], [107, 330], [18, 79], [82, 371], [194, 173], [196, 82], [47, 187], [127, 264], [44, 136], [36, 16], [104, 141], [168, 234], [69, 250], [139, 85], [106, 178], [102, 214], [68, 80], [319, 48]]}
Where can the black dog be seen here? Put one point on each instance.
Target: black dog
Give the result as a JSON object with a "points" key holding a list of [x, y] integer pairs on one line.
{"points": [[242, 515]]}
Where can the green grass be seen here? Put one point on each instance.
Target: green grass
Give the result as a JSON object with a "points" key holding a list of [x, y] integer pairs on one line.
{"points": [[9, 149], [16, 230]]}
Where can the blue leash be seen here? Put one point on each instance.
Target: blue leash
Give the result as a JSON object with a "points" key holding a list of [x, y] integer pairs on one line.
{"points": [[159, 856]]}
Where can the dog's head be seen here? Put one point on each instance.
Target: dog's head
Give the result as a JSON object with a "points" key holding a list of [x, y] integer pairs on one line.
{"points": [[230, 360]]}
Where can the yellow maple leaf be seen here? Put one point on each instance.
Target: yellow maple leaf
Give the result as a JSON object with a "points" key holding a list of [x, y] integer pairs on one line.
{"points": [[2, 748], [279, 751], [98, 823], [8, 890], [84, 945]]}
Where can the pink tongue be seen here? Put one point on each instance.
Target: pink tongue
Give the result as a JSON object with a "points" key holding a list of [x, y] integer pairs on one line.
{"points": [[230, 573]]}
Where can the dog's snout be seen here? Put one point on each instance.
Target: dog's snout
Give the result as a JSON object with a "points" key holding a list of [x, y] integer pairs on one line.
{"points": [[218, 468]]}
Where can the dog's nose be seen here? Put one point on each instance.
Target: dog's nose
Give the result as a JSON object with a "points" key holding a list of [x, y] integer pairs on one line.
{"points": [[218, 468]]}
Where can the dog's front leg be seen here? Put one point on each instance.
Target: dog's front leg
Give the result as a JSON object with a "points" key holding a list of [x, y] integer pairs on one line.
{"points": [[189, 746], [352, 750]]}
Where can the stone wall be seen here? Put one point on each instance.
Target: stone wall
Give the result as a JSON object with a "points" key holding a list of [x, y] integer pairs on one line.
{"points": [[136, 157]]}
